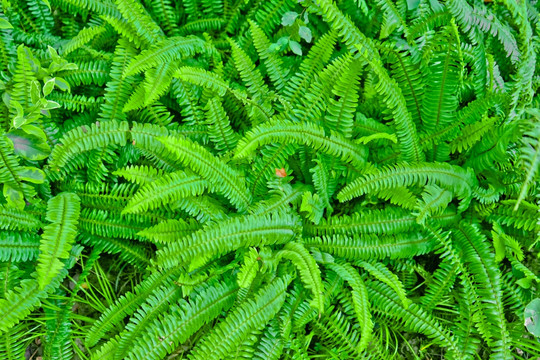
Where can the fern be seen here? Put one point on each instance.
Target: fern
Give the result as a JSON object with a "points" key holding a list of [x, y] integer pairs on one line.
{"points": [[236, 233], [268, 179], [165, 190], [221, 176], [63, 212]]}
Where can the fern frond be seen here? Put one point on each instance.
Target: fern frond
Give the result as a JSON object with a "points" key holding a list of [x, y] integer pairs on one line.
{"points": [[390, 220], [127, 304], [165, 190], [166, 51], [13, 219], [384, 301], [220, 176], [440, 102], [86, 138], [481, 263], [302, 134], [529, 159], [147, 30], [58, 237], [18, 246], [156, 83], [219, 126], [309, 271], [340, 114], [369, 247], [82, 38], [203, 208], [248, 72], [434, 201], [251, 315], [19, 302], [118, 89], [360, 300], [379, 271], [457, 179], [273, 63], [183, 320], [140, 174], [170, 230], [395, 101], [223, 237], [525, 217], [441, 283], [471, 134]]}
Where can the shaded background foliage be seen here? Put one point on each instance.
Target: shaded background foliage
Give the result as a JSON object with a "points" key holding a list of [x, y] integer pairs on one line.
{"points": [[267, 179]]}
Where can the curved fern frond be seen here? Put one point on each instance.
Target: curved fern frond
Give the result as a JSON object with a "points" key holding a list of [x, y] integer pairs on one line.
{"points": [[309, 271], [183, 320], [146, 29], [360, 300], [251, 315], [481, 263], [86, 138], [434, 201], [127, 304], [220, 176], [248, 72], [165, 190], [166, 51], [384, 301], [457, 179], [303, 134], [273, 63], [383, 274]]}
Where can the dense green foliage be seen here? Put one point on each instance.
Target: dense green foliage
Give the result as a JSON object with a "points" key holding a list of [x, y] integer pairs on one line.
{"points": [[269, 179]]}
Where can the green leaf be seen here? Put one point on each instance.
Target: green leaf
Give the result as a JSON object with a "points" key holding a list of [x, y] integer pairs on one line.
{"points": [[532, 317], [4, 24], [32, 174], [62, 84], [295, 47], [49, 105], [313, 205], [288, 18], [18, 121], [49, 86], [35, 92], [29, 146], [14, 197], [305, 33]]}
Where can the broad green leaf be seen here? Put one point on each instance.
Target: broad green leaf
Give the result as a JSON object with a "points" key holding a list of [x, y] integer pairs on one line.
{"points": [[305, 33], [35, 92], [288, 18], [532, 317], [295, 47], [32, 174], [62, 84], [48, 87], [4, 24], [14, 198], [29, 146]]}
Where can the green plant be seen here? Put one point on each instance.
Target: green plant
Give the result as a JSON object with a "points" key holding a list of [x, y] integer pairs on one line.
{"points": [[267, 179]]}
